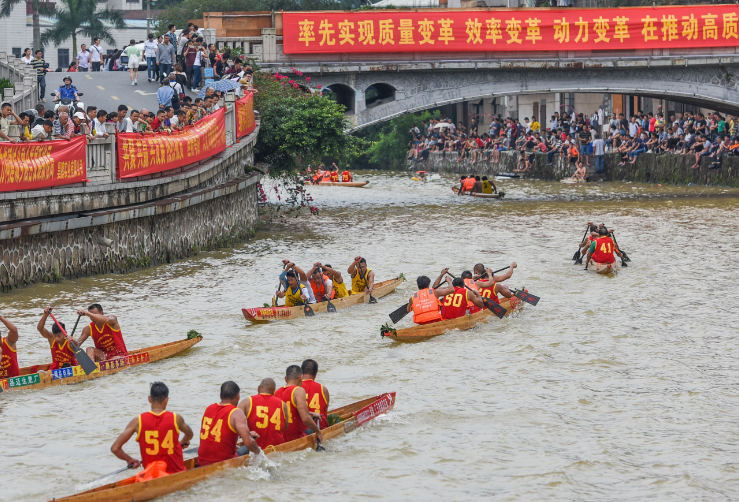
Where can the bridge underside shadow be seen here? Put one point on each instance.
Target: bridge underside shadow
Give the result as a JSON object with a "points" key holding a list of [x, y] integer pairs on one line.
{"points": [[715, 87]]}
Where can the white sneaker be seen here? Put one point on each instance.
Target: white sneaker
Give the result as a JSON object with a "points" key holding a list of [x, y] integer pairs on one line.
{"points": [[136, 81], [131, 82]]}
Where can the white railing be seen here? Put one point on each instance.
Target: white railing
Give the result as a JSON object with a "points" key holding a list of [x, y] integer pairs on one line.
{"points": [[23, 76]]}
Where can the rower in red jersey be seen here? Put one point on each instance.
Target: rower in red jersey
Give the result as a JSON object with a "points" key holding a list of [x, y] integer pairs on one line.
{"points": [[221, 427], [316, 393], [266, 415], [158, 434], [467, 278], [425, 302], [105, 332], [490, 286], [9, 351], [62, 355], [298, 416], [346, 177], [602, 249], [335, 173], [455, 304]]}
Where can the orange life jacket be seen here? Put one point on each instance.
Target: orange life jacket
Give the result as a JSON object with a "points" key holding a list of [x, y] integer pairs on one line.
{"points": [[468, 184], [425, 307], [471, 284], [319, 290]]}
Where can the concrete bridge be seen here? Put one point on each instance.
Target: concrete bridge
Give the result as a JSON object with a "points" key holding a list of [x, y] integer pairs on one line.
{"points": [[706, 80]]}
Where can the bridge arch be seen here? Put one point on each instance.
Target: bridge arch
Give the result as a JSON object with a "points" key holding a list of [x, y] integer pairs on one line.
{"points": [[712, 86], [341, 93], [377, 94]]}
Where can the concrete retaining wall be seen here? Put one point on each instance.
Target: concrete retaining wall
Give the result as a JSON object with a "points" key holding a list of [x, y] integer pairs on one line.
{"points": [[649, 168], [127, 239]]}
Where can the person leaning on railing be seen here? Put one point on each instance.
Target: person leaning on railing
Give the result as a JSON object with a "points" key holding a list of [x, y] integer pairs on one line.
{"points": [[63, 127], [5, 112]]}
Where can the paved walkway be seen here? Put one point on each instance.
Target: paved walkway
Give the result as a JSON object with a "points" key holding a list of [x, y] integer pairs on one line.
{"points": [[109, 89]]}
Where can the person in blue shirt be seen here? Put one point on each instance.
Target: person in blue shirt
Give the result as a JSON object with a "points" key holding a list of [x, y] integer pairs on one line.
{"points": [[67, 91], [165, 94]]}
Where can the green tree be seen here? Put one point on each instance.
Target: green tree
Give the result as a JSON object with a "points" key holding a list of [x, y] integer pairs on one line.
{"points": [[6, 7], [81, 17], [299, 128], [390, 144]]}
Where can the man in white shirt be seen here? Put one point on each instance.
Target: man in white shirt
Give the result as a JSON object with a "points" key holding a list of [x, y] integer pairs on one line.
{"points": [[150, 53], [83, 59], [633, 127], [124, 124], [96, 55], [42, 131]]}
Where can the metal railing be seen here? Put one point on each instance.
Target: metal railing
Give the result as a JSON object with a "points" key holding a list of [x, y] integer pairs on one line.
{"points": [[23, 77]]}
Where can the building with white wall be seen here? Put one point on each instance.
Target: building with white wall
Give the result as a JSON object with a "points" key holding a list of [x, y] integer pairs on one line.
{"points": [[16, 32]]}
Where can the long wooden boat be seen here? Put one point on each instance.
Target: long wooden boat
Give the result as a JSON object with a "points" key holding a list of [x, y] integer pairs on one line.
{"points": [[30, 378], [481, 195], [425, 331], [127, 490], [572, 181], [348, 184], [286, 313], [602, 268]]}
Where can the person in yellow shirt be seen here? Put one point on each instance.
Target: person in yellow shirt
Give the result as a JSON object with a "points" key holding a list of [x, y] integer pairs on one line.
{"points": [[337, 280], [535, 125], [363, 279]]}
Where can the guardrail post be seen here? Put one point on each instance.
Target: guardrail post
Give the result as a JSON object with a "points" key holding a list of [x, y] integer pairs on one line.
{"points": [[269, 45], [230, 102]]}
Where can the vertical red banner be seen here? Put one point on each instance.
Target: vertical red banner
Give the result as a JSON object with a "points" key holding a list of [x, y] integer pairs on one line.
{"points": [[245, 121], [28, 166], [146, 154]]}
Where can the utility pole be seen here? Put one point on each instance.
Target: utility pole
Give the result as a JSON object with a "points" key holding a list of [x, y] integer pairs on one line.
{"points": [[148, 17]]}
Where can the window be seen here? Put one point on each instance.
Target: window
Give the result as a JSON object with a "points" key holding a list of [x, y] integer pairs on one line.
{"points": [[17, 52], [63, 58]]}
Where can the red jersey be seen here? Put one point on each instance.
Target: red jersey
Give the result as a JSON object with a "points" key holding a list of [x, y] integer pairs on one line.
{"points": [[218, 438], [455, 304], [295, 425], [159, 439], [604, 248], [471, 284], [108, 340], [9, 362], [61, 354], [317, 402], [265, 418], [334, 176], [346, 177], [490, 293]]}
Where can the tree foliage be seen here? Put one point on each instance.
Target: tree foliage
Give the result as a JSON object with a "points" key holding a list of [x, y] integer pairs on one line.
{"points": [[298, 127], [182, 12], [81, 17], [389, 141]]}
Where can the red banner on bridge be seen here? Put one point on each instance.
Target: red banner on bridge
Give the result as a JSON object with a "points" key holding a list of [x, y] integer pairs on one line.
{"points": [[245, 121], [442, 30], [139, 155], [28, 166]]}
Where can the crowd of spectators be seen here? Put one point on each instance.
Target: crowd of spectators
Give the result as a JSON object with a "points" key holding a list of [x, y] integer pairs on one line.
{"points": [[576, 138]]}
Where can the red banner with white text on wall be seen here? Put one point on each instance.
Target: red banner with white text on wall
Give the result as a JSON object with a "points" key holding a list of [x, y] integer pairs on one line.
{"points": [[27, 166], [447, 30], [245, 122], [146, 154]]}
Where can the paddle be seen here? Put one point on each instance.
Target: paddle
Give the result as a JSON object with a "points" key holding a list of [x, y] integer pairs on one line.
{"points": [[527, 297], [577, 255], [307, 310], [330, 307], [88, 365], [129, 466], [372, 299], [398, 314], [319, 446], [624, 256]]}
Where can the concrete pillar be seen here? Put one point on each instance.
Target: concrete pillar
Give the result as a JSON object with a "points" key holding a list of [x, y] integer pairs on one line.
{"points": [[209, 35], [269, 45]]}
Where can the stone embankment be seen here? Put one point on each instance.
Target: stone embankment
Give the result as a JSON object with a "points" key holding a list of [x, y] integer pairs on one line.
{"points": [[649, 168]]}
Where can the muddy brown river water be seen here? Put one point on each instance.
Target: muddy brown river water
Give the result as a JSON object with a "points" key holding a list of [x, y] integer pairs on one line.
{"points": [[612, 388]]}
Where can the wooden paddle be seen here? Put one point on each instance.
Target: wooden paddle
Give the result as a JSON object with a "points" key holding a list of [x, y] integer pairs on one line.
{"points": [[577, 255], [527, 297], [624, 256], [398, 314], [129, 466], [88, 365]]}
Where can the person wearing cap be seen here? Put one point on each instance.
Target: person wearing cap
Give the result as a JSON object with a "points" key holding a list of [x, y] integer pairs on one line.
{"points": [[67, 91], [78, 119]]}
